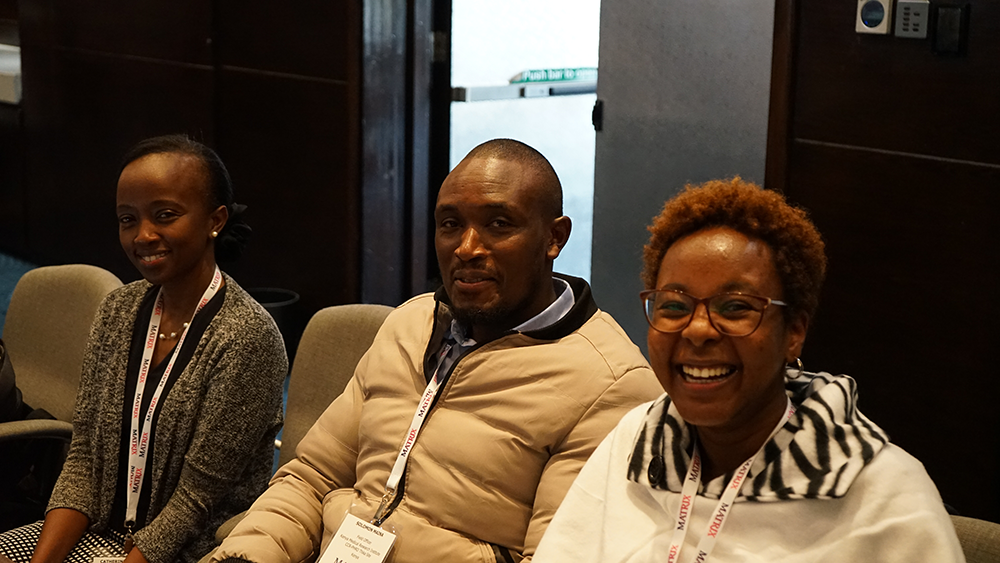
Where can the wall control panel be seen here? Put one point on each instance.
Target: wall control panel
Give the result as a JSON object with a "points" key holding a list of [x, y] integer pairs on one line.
{"points": [[945, 22], [912, 18]]}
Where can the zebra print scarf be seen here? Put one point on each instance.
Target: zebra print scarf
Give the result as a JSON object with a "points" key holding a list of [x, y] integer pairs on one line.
{"points": [[816, 454]]}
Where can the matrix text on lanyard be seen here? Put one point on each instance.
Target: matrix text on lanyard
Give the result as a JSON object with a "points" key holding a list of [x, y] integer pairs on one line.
{"points": [[423, 408], [139, 442], [722, 510]]}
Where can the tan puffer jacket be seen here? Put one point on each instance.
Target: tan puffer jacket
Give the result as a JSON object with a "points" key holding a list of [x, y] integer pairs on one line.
{"points": [[511, 428]]}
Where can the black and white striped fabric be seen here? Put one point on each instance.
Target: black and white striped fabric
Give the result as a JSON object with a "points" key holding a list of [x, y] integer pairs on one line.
{"points": [[18, 545], [816, 454]]}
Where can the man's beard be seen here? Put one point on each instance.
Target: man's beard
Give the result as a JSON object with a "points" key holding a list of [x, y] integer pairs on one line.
{"points": [[494, 317], [500, 316]]}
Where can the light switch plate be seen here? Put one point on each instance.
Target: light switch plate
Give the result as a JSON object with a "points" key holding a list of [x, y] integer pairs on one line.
{"points": [[874, 16], [912, 18]]}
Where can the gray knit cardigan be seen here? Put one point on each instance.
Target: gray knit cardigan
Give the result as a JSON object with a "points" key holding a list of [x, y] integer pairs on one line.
{"points": [[214, 444]]}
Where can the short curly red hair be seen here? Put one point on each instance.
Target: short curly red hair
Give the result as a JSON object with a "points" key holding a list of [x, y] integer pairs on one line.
{"points": [[797, 247]]}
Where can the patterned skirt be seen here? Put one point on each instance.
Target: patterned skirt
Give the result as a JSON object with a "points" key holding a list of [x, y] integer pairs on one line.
{"points": [[19, 543]]}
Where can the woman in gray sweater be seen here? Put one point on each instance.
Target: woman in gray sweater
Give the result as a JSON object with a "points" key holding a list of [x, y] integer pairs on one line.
{"points": [[180, 393]]}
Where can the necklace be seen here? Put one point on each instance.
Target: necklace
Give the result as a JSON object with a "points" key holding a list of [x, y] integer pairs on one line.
{"points": [[173, 335]]}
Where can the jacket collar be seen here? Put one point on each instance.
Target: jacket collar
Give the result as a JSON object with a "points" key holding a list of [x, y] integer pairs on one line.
{"points": [[582, 310]]}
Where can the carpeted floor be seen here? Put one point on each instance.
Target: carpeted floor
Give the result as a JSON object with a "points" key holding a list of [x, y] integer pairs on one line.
{"points": [[11, 270]]}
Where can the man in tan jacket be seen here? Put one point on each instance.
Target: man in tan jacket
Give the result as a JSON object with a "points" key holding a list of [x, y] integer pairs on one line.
{"points": [[468, 419]]}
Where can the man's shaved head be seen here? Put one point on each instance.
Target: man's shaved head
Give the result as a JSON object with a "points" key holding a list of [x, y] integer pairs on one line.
{"points": [[549, 189], [498, 229]]}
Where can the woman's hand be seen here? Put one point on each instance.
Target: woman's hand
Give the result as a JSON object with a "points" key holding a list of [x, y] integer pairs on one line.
{"points": [[63, 527]]}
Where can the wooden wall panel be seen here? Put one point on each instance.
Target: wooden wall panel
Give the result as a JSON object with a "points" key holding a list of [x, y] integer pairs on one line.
{"points": [[8, 9], [273, 88], [309, 39], [895, 94], [82, 112], [909, 308], [159, 29], [287, 145], [893, 151]]}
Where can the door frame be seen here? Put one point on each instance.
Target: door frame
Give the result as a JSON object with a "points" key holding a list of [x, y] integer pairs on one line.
{"points": [[405, 123]]}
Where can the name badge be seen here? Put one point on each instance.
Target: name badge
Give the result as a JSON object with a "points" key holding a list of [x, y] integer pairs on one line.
{"points": [[358, 541], [109, 559]]}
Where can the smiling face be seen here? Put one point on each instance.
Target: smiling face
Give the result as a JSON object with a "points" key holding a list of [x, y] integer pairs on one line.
{"points": [[726, 383], [164, 219], [494, 245]]}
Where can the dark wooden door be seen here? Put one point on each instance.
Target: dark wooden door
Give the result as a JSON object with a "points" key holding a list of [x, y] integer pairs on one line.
{"points": [[895, 151]]}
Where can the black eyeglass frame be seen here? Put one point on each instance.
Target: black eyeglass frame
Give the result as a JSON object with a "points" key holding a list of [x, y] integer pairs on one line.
{"points": [[645, 295]]}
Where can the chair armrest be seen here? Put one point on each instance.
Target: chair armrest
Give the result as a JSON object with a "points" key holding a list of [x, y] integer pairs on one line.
{"points": [[37, 428]]}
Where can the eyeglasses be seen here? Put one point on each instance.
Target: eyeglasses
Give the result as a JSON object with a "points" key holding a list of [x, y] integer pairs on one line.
{"points": [[732, 314]]}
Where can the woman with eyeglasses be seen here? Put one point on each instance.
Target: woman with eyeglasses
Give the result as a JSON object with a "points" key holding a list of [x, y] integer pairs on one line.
{"points": [[746, 457]]}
